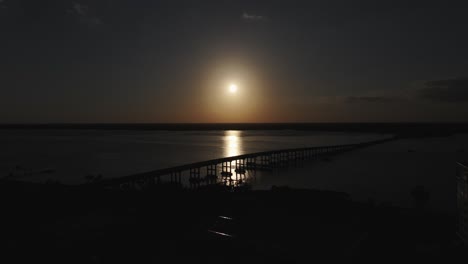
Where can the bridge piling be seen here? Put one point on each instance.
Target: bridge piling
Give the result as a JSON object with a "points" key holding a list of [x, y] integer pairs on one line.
{"points": [[194, 177], [211, 174], [251, 164]]}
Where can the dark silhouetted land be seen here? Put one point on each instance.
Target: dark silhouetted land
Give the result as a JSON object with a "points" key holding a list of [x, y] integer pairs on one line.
{"points": [[57, 224], [401, 129]]}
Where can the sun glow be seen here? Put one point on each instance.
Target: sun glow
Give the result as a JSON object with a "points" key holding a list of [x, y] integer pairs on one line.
{"points": [[232, 88]]}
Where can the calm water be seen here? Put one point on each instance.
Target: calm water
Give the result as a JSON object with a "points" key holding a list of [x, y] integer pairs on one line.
{"points": [[384, 173], [70, 155]]}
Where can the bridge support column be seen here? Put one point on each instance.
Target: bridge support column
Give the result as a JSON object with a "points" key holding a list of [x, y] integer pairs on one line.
{"points": [[240, 166], [275, 160], [226, 168], [265, 161], [211, 174], [194, 177], [176, 177], [251, 164]]}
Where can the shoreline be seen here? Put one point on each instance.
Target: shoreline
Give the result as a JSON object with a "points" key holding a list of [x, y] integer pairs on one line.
{"points": [[400, 129]]}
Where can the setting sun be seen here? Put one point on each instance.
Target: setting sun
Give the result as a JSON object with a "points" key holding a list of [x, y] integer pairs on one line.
{"points": [[232, 88]]}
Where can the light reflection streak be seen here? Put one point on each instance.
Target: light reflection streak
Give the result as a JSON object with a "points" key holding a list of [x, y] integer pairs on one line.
{"points": [[232, 143]]}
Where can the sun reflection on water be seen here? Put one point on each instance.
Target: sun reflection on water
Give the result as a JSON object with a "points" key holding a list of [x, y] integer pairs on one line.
{"points": [[232, 143]]}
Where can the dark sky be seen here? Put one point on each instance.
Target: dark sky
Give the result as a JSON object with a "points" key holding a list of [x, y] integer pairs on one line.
{"points": [[293, 61]]}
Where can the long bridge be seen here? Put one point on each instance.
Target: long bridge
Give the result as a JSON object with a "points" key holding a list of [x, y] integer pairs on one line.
{"points": [[228, 170]]}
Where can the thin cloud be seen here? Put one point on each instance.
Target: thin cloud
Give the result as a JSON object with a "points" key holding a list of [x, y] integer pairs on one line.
{"points": [[449, 90], [84, 15], [372, 99], [80, 9], [3, 4], [252, 17]]}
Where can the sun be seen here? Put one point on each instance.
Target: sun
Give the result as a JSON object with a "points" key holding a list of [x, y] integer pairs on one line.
{"points": [[232, 88]]}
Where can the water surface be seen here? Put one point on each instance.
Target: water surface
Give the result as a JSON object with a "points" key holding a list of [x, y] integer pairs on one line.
{"points": [[70, 155]]}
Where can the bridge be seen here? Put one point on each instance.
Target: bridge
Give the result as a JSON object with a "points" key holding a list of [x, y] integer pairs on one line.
{"points": [[229, 170]]}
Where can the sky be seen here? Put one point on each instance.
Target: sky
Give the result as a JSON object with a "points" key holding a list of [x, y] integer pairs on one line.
{"points": [[112, 61]]}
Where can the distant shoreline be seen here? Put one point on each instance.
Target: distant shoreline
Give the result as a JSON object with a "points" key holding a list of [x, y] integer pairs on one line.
{"points": [[403, 129]]}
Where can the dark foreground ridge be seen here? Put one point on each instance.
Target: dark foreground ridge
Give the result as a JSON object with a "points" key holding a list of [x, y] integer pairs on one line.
{"points": [[57, 224], [400, 129], [215, 223]]}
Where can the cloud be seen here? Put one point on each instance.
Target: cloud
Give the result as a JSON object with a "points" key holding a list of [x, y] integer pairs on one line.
{"points": [[449, 90], [84, 15], [80, 9], [251, 17], [3, 4], [372, 99], [435, 91]]}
